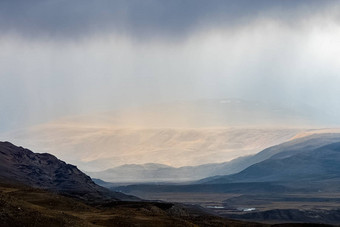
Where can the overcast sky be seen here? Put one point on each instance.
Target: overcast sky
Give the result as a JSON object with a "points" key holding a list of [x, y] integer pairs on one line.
{"points": [[60, 57]]}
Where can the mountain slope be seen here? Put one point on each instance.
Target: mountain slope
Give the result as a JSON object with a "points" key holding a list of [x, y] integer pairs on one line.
{"points": [[20, 165], [152, 172], [308, 164], [163, 173]]}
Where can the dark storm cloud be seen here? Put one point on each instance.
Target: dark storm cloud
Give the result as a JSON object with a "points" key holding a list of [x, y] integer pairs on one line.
{"points": [[141, 18]]}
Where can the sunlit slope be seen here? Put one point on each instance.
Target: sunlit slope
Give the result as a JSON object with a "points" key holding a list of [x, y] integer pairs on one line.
{"points": [[175, 134], [98, 148]]}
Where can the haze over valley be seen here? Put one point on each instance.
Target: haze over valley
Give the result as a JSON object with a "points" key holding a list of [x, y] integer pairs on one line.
{"points": [[173, 113], [184, 134]]}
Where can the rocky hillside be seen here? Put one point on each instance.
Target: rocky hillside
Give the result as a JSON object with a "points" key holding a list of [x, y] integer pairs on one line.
{"points": [[45, 171]]}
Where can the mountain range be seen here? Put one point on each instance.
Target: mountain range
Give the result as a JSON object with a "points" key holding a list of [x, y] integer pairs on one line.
{"points": [[153, 172], [316, 166], [308, 164], [297, 181], [313, 158]]}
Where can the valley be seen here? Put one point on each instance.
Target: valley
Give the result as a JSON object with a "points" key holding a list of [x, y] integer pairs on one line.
{"points": [[62, 189], [26, 206], [38, 188], [169, 113], [297, 181], [261, 207]]}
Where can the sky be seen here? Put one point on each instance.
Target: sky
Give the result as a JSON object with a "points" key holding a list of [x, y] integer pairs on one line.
{"points": [[61, 58]]}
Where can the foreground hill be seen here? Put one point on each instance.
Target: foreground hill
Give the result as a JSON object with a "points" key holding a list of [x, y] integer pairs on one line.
{"points": [[25, 206], [45, 171]]}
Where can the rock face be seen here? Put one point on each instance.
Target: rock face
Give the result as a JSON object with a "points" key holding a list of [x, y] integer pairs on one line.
{"points": [[45, 171]]}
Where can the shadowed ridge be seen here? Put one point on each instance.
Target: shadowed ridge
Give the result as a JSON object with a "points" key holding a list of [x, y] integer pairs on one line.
{"points": [[305, 164], [45, 171]]}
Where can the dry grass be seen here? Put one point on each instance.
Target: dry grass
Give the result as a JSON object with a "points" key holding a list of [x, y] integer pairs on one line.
{"points": [[24, 206]]}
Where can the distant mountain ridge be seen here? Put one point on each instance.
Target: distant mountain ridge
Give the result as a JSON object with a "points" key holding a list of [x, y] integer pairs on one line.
{"points": [[20, 165], [297, 181], [309, 163], [314, 158], [153, 172]]}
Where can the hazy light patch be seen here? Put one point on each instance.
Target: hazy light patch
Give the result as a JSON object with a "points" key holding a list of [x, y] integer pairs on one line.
{"points": [[265, 59], [95, 148]]}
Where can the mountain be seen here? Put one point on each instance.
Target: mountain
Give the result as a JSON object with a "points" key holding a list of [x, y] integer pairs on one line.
{"points": [[307, 159], [162, 173], [296, 160], [152, 172], [45, 171], [297, 181], [149, 172]]}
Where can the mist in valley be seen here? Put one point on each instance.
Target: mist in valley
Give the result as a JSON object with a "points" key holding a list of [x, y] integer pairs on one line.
{"points": [[209, 103]]}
